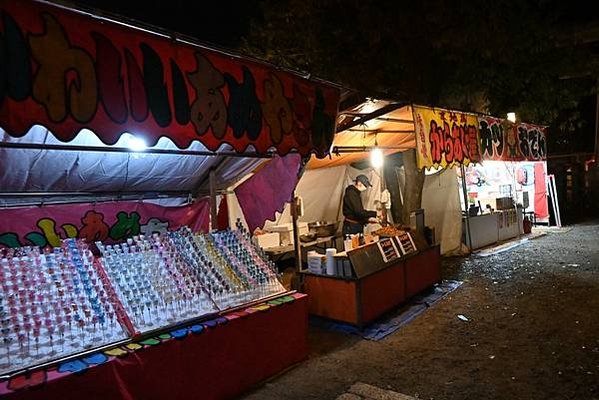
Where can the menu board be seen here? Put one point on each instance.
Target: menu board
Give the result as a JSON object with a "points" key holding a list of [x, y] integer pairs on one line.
{"points": [[388, 250], [406, 243]]}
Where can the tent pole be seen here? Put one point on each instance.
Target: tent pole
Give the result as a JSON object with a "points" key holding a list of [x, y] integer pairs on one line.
{"points": [[213, 212], [297, 246], [597, 125], [384, 215], [296, 240], [465, 193]]}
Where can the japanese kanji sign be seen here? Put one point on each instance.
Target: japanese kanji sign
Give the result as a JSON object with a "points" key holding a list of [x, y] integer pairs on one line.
{"points": [[502, 140], [445, 138], [68, 70]]}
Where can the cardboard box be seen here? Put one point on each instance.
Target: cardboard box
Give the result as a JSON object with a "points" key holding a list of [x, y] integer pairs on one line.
{"points": [[316, 263], [285, 231], [267, 240]]}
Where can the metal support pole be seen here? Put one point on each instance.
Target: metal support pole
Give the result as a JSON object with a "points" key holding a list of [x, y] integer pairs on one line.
{"points": [[597, 125], [384, 216], [297, 248], [465, 193], [213, 213], [109, 149]]}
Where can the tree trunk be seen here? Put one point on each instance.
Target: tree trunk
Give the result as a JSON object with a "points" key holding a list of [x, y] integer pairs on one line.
{"points": [[392, 182], [414, 184]]}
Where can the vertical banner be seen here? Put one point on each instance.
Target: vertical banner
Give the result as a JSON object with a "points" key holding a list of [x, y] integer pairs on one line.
{"points": [[502, 140], [541, 205], [445, 138]]}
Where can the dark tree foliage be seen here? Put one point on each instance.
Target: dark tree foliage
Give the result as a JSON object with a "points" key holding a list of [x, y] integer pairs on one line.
{"points": [[490, 56]]}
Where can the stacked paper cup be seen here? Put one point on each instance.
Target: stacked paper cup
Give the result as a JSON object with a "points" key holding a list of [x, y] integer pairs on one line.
{"points": [[330, 260]]}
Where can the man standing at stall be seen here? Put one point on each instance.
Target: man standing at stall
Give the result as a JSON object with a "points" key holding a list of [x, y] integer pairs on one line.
{"points": [[353, 210]]}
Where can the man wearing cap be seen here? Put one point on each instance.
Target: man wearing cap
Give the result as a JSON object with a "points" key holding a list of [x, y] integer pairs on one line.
{"points": [[353, 210]]}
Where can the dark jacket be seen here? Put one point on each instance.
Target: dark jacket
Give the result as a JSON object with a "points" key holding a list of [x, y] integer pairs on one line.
{"points": [[353, 208]]}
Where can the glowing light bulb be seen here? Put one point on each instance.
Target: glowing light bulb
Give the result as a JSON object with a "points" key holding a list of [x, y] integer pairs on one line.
{"points": [[377, 157], [137, 144], [511, 116]]}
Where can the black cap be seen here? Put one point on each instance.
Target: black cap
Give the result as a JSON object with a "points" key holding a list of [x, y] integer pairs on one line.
{"points": [[364, 180]]}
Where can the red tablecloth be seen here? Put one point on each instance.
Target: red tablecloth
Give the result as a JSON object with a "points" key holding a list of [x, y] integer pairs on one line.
{"points": [[220, 362]]}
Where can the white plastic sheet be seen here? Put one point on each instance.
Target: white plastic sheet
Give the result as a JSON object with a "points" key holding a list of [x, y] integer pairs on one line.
{"points": [[442, 210], [30, 170], [322, 192]]}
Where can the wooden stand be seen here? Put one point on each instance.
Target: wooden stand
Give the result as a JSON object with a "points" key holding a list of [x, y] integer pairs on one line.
{"points": [[359, 301]]}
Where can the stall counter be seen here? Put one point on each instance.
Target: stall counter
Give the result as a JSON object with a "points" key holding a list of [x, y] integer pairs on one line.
{"points": [[493, 228], [361, 299]]}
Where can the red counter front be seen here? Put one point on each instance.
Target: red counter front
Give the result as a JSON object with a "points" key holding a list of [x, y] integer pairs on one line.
{"points": [[362, 300], [218, 363]]}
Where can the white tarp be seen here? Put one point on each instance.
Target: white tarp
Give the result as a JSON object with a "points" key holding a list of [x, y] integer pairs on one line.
{"points": [[442, 210], [32, 170], [322, 191]]}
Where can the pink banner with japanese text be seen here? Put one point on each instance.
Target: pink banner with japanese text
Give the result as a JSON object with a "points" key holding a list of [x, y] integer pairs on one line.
{"points": [[109, 222]]}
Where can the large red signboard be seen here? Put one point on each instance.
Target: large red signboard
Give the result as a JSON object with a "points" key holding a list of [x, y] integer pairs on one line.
{"points": [[67, 71], [501, 140]]}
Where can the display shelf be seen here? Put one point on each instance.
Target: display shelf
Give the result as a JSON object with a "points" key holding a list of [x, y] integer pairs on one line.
{"points": [[64, 301], [154, 284], [215, 359], [53, 304]]}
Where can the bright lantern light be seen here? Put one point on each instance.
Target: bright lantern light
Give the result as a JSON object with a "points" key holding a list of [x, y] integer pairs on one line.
{"points": [[137, 144], [377, 157], [511, 116]]}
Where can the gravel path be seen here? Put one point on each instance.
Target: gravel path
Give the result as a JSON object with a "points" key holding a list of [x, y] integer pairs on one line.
{"points": [[533, 333]]}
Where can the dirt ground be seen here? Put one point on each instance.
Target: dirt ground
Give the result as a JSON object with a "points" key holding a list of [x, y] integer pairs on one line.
{"points": [[533, 333]]}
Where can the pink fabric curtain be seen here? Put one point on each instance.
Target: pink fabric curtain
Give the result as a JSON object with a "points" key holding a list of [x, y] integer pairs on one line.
{"points": [[265, 193]]}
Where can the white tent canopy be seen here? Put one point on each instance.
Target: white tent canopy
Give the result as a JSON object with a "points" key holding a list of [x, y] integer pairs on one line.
{"points": [[27, 171]]}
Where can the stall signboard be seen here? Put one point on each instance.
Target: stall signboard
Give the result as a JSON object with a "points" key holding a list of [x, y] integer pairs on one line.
{"points": [[445, 138], [388, 250], [68, 70], [406, 243], [501, 140], [107, 222]]}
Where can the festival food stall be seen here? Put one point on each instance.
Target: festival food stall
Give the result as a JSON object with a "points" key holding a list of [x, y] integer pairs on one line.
{"points": [[502, 169], [117, 143], [361, 284], [357, 283]]}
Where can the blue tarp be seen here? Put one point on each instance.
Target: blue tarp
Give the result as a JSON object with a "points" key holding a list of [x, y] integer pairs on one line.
{"points": [[395, 319]]}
